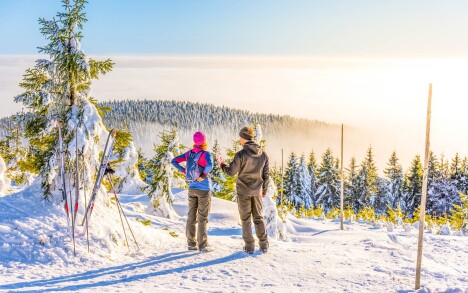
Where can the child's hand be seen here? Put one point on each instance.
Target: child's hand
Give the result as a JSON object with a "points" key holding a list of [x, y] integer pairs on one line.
{"points": [[200, 179]]}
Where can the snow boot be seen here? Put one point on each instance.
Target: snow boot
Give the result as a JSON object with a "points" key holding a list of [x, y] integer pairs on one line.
{"points": [[206, 249], [248, 251], [191, 248]]}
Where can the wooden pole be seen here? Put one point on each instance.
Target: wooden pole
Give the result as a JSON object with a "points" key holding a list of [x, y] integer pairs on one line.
{"points": [[342, 182], [282, 177], [424, 192]]}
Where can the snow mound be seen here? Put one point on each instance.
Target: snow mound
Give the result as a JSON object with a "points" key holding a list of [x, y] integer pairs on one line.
{"points": [[35, 231]]}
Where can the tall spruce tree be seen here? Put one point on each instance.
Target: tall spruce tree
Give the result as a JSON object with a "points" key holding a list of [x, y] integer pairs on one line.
{"points": [[456, 171], [160, 188], [312, 168], [304, 188], [351, 185], [328, 190], [56, 90], [380, 201], [394, 174], [413, 186], [368, 181], [291, 182], [442, 185], [433, 179]]}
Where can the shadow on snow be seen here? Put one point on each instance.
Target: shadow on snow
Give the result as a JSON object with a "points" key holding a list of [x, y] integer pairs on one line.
{"points": [[89, 275]]}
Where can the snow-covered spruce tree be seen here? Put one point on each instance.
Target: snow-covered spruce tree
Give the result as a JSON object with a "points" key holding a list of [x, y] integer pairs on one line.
{"points": [[160, 188], [463, 182], [456, 172], [304, 188], [14, 153], [442, 190], [351, 191], [57, 90], [142, 165], [228, 186], [291, 183], [312, 168], [441, 196], [216, 174], [394, 174], [413, 186], [380, 201], [369, 182], [127, 177], [328, 190], [458, 177]]}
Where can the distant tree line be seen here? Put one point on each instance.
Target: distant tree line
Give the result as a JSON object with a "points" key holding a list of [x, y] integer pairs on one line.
{"points": [[309, 185]]}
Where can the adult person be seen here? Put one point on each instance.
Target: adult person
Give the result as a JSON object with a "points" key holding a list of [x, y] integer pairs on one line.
{"points": [[197, 168], [251, 165]]}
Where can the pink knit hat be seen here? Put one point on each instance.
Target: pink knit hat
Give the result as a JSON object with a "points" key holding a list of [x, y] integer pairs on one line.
{"points": [[199, 138]]}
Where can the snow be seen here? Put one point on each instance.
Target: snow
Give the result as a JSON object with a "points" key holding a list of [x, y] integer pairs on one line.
{"points": [[36, 255]]}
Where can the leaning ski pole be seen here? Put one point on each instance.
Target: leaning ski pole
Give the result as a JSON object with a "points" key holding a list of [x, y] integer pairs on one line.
{"points": [[64, 185], [104, 161], [71, 203], [84, 194], [77, 178], [119, 206], [120, 214]]}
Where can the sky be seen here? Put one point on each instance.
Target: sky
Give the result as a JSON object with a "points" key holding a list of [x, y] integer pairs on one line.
{"points": [[367, 64], [363, 28]]}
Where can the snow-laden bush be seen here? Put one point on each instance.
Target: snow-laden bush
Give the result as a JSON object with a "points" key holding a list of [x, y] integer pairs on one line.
{"points": [[276, 226], [127, 171], [4, 182]]}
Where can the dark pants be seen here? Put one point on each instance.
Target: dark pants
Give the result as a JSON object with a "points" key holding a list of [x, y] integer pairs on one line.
{"points": [[199, 209], [251, 206]]}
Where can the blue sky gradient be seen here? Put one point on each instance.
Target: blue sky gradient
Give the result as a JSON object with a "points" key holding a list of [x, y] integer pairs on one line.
{"points": [[244, 27]]}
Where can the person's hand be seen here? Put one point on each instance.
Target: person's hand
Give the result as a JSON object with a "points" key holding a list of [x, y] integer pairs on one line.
{"points": [[200, 179], [263, 195], [220, 160]]}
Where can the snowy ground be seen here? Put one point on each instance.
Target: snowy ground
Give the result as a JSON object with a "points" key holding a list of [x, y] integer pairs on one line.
{"points": [[317, 258]]}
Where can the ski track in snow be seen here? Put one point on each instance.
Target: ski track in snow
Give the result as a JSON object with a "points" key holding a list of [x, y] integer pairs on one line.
{"points": [[318, 257]]}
